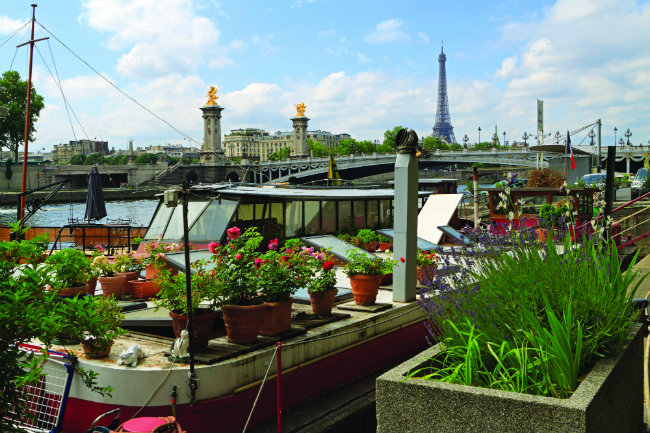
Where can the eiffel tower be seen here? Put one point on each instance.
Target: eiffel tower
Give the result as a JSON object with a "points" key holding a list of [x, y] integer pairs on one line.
{"points": [[443, 128]]}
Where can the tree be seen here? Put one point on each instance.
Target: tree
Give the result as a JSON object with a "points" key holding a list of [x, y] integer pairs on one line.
{"points": [[433, 143], [13, 95], [316, 148], [280, 154], [77, 159], [146, 158], [389, 143], [94, 158], [8, 170]]}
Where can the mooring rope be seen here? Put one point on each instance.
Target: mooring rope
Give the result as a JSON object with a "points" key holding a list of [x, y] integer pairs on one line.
{"points": [[250, 415]]}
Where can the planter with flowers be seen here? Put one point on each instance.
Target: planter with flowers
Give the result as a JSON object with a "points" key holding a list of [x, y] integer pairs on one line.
{"points": [[71, 271], [280, 272], [154, 261], [128, 265], [384, 243], [173, 296], [110, 282], [321, 288], [427, 266], [100, 319], [366, 272], [236, 284]]}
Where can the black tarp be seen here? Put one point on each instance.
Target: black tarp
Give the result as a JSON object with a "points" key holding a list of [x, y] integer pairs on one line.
{"points": [[95, 206]]}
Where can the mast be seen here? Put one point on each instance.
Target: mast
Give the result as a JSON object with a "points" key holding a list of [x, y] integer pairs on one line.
{"points": [[29, 99]]}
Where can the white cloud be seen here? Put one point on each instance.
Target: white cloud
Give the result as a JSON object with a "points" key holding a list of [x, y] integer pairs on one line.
{"points": [[265, 44], [238, 45], [161, 36], [507, 67], [424, 38], [361, 58], [7, 25], [387, 31], [326, 33]]}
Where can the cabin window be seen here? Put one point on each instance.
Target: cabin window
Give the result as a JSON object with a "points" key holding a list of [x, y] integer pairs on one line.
{"points": [[293, 225], [159, 222], [213, 221], [559, 200], [245, 212], [385, 213], [259, 211], [345, 216], [312, 217], [175, 227], [531, 205], [328, 216], [359, 214], [373, 213]]}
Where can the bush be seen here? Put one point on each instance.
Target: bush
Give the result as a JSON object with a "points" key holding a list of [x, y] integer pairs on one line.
{"points": [[544, 177]]}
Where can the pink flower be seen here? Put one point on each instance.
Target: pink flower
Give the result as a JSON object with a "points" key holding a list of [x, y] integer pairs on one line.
{"points": [[237, 256], [160, 256], [213, 247], [318, 256], [99, 247], [307, 250], [402, 259], [288, 250], [258, 262], [328, 265], [212, 272], [233, 233], [273, 245]]}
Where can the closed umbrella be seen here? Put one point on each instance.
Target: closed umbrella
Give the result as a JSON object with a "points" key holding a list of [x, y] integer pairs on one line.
{"points": [[95, 206]]}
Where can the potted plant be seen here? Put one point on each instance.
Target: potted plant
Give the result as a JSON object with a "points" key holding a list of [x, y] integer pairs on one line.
{"points": [[154, 260], [68, 331], [365, 272], [321, 288], [367, 239], [279, 273], [236, 285], [545, 221], [71, 272], [427, 266], [128, 265], [173, 297], [548, 339], [110, 282], [99, 318], [384, 243], [135, 243]]}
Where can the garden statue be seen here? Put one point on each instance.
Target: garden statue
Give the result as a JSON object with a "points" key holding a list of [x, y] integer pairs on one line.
{"points": [[300, 109], [131, 356], [179, 348], [212, 96]]}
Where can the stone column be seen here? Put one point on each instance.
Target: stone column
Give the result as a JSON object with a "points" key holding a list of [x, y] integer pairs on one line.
{"points": [[300, 135], [211, 151], [406, 216]]}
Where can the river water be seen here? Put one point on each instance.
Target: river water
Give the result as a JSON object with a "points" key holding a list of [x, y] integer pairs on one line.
{"points": [[57, 214]]}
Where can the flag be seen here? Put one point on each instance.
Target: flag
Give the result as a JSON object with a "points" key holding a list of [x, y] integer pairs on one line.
{"points": [[332, 171], [570, 151]]}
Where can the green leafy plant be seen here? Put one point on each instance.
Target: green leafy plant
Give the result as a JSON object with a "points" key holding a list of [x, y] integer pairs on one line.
{"points": [[366, 235], [280, 272], [173, 289], [325, 277], [384, 239], [71, 268], [427, 258], [103, 266], [127, 263], [100, 318], [361, 263]]}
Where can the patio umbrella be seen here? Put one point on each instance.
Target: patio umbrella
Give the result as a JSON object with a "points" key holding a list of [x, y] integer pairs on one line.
{"points": [[95, 206]]}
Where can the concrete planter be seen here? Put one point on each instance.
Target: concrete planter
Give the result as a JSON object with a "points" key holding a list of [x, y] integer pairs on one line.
{"points": [[610, 399]]}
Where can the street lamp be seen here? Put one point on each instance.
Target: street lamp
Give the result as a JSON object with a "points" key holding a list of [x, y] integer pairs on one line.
{"points": [[592, 134], [557, 137], [479, 136], [504, 138], [628, 134], [620, 142], [525, 137], [615, 129], [465, 140]]}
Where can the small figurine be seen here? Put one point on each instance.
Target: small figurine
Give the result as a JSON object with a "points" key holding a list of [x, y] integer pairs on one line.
{"points": [[131, 356], [179, 348], [300, 109], [212, 96]]}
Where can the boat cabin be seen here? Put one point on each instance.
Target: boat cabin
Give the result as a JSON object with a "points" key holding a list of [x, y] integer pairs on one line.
{"points": [[281, 212], [580, 199]]}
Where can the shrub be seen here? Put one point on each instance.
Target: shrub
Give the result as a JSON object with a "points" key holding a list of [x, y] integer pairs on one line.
{"points": [[544, 177]]}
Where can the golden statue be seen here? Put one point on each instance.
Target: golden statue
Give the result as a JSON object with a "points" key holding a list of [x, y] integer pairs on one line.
{"points": [[212, 96], [300, 109]]}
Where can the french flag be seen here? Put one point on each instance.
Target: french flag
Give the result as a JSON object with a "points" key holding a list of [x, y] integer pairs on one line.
{"points": [[570, 151]]}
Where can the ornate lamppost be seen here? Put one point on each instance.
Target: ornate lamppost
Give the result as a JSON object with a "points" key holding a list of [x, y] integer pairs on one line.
{"points": [[479, 136], [557, 137], [465, 140], [525, 137], [504, 138], [628, 134], [615, 129]]}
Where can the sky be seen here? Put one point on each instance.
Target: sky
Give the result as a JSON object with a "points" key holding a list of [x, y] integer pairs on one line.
{"points": [[360, 66]]}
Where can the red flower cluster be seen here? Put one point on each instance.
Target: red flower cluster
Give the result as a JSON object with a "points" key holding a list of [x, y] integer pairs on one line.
{"points": [[273, 244], [327, 265], [213, 247], [233, 233]]}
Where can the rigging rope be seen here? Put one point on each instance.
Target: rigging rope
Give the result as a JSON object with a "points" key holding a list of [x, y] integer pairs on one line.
{"points": [[11, 35], [117, 88], [250, 415]]}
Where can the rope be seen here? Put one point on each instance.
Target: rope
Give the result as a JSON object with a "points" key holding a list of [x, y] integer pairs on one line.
{"points": [[155, 390], [250, 415]]}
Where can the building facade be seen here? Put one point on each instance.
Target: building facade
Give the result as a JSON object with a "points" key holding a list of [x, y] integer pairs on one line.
{"points": [[258, 144], [62, 153]]}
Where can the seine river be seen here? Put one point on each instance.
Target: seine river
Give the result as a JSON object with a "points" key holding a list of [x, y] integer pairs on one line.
{"points": [[57, 214]]}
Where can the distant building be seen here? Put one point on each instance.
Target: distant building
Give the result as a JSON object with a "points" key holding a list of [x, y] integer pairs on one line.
{"points": [[259, 144], [63, 152], [173, 150]]}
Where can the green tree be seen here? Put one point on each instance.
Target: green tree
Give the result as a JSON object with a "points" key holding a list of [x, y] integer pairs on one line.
{"points": [[94, 158], [146, 158], [434, 143], [13, 95], [389, 143], [8, 170], [77, 159], [280, 154], [365, 146], [116, 160], [316, 148]]}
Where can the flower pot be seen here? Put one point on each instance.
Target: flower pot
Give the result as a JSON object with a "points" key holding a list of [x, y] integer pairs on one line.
{"points": [[387, 279], [371, 247], [112, 286], [383, 246], [202, 323], [130, 276], [92, 285], [365, 288], [94, 350], [140, 289], [542, 234], [243, 322], [426, 274], [276, 318], [152, 272], [71, 291], [322, 302]]}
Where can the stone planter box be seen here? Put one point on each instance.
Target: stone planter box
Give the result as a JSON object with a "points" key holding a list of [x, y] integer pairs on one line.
{"points": [[610, 399]]}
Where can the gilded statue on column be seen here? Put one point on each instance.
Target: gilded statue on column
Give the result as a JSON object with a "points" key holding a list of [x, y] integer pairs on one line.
{"points": [[300, 109], [212, 96]]}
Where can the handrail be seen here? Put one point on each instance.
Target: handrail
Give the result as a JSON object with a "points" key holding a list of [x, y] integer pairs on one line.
{"points": [[647, 194]]}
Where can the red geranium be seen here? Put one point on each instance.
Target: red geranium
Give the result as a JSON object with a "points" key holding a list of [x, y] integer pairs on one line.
{"points": [[328, 265], [233, 233]]}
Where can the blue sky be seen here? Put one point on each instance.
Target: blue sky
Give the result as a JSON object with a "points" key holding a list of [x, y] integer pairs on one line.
{"points": [[360, 66]]}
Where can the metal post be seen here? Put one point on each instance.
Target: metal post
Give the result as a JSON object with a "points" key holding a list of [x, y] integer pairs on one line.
{"points": [[609, 185], [600, 161], [278, 370], [193, 382], [406, 216], [476, 215]]}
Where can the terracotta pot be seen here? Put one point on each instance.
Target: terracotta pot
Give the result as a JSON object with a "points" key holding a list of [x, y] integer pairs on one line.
{"points": [[243, 322], [71, 291], [384, 246], [542, 234], [322, 302], [140, 289], [387, 279], [426, 274], [92, 285], [112, 286], [151, 272], [277, 318], [365, 288], [371, 247], [130, 276], [94, 350], [202, 324]]}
